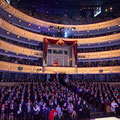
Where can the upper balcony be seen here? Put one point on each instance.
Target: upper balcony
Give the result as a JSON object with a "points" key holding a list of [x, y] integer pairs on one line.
{"points": [[21, 33]]}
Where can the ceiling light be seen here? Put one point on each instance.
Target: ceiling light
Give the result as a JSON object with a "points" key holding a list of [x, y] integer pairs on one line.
{"points": [[18, 36], [9, 15], [20, 20], [106, 10], [8, 33]]}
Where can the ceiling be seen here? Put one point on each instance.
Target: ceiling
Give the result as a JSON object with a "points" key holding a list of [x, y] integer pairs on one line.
{"points": [[69, 7], [69, 3]]}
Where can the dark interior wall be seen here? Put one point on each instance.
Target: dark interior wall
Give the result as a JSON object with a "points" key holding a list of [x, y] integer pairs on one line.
{"points": [[25, 76]]}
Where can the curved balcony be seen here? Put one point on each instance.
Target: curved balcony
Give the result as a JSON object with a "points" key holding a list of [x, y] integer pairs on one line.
{"points": [[21, 56], [39, 46], [32, 20], [6, 66], [99, 63], [99, 55], [24, 24], [99, 45], [19, 50], [22, 40], [99, 48], [13, 37], [23, 61], [52, 31], [29, 35], [4, 34], [97, 60]]}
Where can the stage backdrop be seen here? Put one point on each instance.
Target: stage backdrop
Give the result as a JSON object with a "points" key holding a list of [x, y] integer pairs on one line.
{"points": [[60, 42]]}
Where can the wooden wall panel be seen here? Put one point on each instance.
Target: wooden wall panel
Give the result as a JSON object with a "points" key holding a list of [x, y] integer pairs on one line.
{"points": [[6, 66]]}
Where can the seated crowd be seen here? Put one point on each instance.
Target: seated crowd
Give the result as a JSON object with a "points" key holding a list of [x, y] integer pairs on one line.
{"points": [[98, 49], [99, 63], [104, 96], [21, 60], [39, 62], [80, 50], [75, 20], [41, 100], [23, 80], [110, 79], [22, 44]]}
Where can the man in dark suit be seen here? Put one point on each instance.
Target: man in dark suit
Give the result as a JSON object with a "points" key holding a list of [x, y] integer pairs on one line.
{"points": [[20, 112], [28, 111]]}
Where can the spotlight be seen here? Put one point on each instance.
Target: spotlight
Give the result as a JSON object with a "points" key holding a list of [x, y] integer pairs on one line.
{"points": [[111, 8], [8, 33], [20, 20], [66, 35], [106, 10], [9, 15], [18, 36]]}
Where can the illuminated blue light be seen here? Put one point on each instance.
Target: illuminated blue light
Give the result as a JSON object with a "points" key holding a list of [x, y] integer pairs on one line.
{"points": [[8, 1], [66, 35]]}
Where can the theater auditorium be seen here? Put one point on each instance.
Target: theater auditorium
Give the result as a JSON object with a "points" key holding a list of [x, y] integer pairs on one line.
{"points": [[59, 59]]}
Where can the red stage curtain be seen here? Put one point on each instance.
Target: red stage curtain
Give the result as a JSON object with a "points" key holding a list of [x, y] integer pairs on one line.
{"points": [[45, 50], [51, 41], [69, 42], [75, 51]]}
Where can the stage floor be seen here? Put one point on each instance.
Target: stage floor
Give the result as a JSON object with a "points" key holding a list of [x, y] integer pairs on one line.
{"points": [[106, 118]]}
